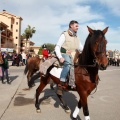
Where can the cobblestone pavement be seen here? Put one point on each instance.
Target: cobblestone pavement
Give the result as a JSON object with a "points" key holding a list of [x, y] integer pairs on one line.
{"points": [[17, 103]]}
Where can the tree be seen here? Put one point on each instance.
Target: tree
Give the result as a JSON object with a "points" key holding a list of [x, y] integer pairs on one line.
{"points": [[28, 33], [50, 47]]}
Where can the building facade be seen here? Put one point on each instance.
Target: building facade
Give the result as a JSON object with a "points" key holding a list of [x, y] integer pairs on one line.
{"points": [[11, 36], [28, 46]]}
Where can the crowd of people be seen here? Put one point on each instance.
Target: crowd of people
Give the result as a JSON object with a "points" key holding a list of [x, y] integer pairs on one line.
{"points": [[19, 59], [114, 61]]}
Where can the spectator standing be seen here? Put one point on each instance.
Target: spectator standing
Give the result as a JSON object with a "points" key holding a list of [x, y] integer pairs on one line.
{"points": [[5, 67], [24, 58], [17, 60], [14, 59], [20, 58]]}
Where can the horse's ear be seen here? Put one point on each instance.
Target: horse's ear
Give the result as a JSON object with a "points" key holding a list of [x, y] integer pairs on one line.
{"points": [[90, 30], [105, 30]]}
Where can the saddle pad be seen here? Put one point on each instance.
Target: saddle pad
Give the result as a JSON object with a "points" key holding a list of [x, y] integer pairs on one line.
{"points": [[56, 72]]}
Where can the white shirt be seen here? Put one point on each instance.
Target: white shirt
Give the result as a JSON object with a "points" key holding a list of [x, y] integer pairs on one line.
{"points": [[60, 43], [23, 55]]}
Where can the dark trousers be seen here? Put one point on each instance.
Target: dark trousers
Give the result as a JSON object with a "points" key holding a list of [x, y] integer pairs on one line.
{"points": [[5, 72], [24, 61]]}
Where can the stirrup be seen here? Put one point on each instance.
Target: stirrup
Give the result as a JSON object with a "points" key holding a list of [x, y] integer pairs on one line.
{"points": [[62, 85], [59, 91]]}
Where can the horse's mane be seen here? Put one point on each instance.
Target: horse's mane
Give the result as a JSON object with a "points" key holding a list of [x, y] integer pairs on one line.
{"points": [[87, 56]]}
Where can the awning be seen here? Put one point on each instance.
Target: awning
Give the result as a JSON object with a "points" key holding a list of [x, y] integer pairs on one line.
{"points": [[7, 49]]}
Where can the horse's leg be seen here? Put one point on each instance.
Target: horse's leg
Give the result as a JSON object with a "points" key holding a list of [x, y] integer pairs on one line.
{"points": [[51, 85], [31, 74], [82, 103], [66, 108], [43, 83], [33, 78], [28, 76], [85, 106], [77, 109]]}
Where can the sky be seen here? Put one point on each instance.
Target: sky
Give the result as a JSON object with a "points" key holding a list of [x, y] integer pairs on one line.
{"points": [[51, 17]]}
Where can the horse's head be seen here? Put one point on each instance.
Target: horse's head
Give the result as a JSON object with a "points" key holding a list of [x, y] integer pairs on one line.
{"points": [[98, 47]]}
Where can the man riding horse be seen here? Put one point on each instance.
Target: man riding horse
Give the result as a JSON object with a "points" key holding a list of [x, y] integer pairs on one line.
{"points": [[65, 51], [92, 59]]}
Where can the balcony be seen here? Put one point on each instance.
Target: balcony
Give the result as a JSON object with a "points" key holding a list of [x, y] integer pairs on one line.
{"points": [[11, 38], [3, 34]]}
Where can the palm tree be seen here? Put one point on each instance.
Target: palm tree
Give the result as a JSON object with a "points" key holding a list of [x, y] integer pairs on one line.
{"points": [[28, 33]]}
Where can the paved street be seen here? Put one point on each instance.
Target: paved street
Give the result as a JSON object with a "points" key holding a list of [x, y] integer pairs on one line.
{"points": [[17, 103]]}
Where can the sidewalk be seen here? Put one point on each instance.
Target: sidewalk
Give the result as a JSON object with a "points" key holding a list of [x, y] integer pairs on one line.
{"points": [[7, 91]]}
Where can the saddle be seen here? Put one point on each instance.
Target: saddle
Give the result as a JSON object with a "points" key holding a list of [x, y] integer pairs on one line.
{"points": [[56, 70]]}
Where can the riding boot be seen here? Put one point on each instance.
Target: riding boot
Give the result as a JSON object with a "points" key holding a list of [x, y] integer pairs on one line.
{"points": [[2, 80], [61, 88]]}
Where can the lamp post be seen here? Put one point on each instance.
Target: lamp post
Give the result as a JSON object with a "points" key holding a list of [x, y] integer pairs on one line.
{"points": [[0, 37]]}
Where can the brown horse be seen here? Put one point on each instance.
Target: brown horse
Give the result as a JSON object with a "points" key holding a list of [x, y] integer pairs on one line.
{"points": [[90, 61], [32, 66]]}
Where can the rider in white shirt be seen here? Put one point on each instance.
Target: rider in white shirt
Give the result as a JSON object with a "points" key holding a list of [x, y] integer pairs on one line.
{"points": [[66, 46]]}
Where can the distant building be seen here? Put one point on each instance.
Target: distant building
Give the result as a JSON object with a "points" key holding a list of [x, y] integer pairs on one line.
{"points": [[11, 37], [34, 50], [28, 46], [113, 54]]}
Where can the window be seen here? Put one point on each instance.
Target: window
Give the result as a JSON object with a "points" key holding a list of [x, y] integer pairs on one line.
{"points": [[16, 37], [16, 23], [1, 28], [11, 26], [16, 30]]}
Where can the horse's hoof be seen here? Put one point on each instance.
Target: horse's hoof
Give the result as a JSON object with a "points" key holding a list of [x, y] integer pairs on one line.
{"points": [[74, 118], [67, 110], [38, 111]]}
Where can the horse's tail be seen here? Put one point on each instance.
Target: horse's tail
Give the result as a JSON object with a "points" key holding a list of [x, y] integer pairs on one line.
{"points": [[26, 69], [33, 78]]}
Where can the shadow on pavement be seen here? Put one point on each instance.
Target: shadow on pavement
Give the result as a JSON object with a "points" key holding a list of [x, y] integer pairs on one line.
{"points": [[12, 78], [49, 94], [21, 101], [69, 98]]}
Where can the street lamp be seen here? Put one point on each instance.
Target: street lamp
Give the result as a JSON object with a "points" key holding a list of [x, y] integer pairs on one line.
{"points": [[0, 37]]}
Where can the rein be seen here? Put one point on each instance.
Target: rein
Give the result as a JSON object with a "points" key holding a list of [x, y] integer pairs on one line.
{"points": [[95, 87], [83, 65], [96, 83]]}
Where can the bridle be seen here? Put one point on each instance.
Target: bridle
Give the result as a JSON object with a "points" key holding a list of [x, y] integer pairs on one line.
{"points": [[100, 50]]}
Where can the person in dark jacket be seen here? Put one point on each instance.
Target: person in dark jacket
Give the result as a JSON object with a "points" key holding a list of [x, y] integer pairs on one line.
{"points": [[5, 67]]}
